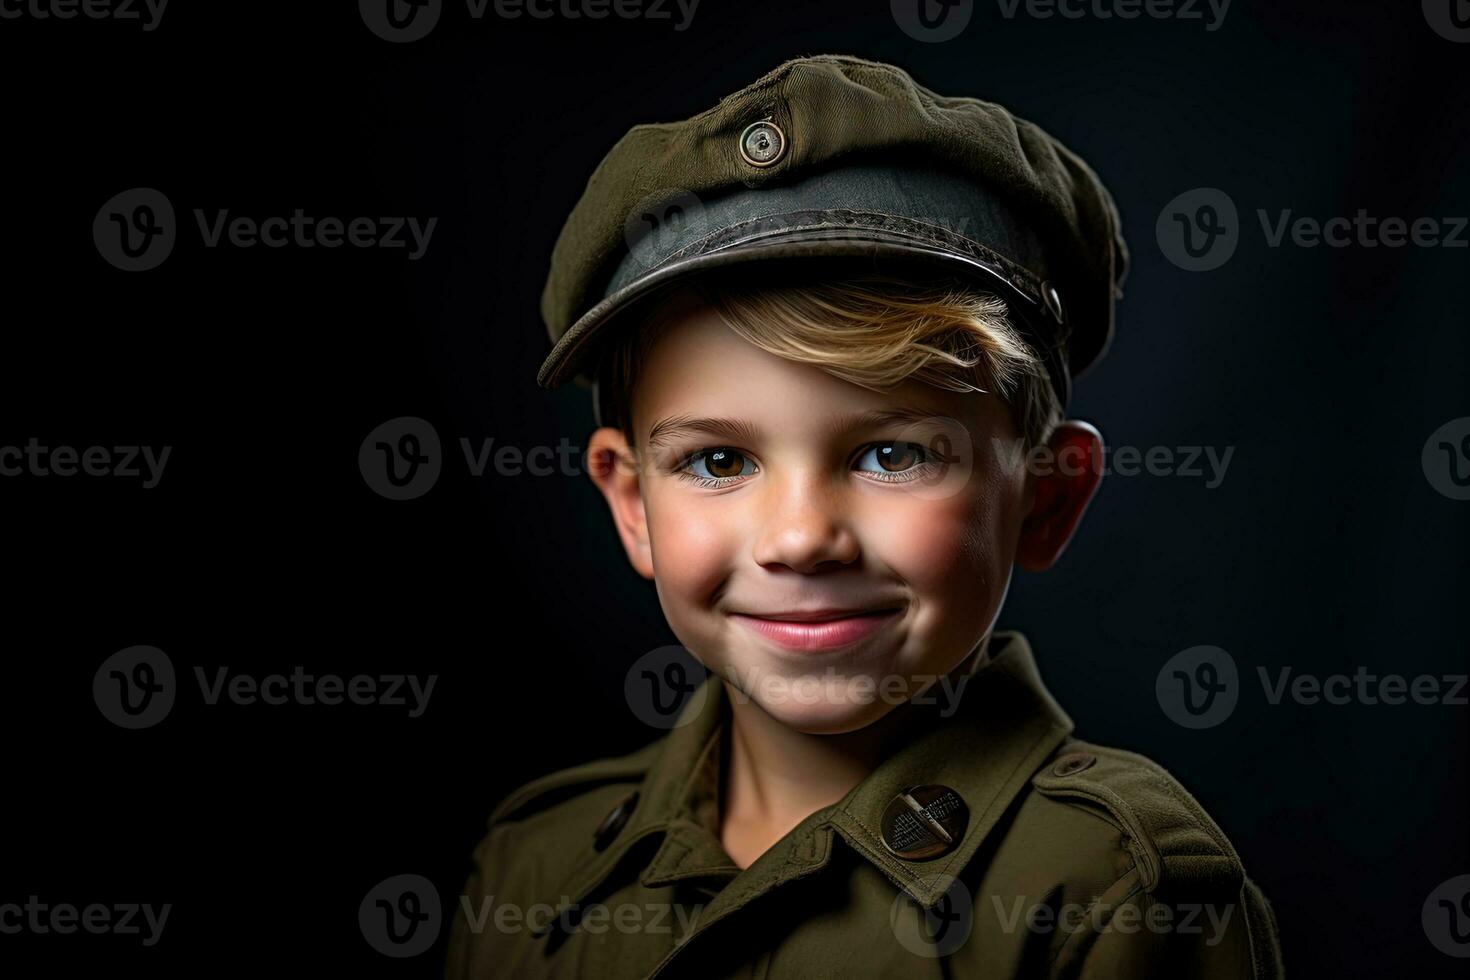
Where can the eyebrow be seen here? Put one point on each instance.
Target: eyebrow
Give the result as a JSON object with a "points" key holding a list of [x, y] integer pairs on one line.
{"points": [[739, 430]]}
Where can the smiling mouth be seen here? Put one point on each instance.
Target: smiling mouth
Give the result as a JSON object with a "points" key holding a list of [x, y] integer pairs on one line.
{"points": [[822, 629]]}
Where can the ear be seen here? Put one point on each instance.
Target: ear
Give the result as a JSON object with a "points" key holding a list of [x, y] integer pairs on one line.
{"points": [[612, 464], [1062, 479]]}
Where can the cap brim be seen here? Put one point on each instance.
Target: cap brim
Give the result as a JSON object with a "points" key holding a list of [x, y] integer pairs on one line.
{"points": [[877, 251]]}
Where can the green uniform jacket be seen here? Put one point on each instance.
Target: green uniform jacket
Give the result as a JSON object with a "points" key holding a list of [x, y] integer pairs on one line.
{"points": [[1075, 861]]}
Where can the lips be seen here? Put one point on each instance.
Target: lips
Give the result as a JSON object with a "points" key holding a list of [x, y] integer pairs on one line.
{"points": [[817, 629]]}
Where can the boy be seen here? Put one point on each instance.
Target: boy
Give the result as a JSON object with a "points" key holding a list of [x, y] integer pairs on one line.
{"points": [[854, 310]]}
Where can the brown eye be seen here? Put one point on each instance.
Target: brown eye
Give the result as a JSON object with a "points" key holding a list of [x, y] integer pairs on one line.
{"points": [[720, 464], [892, 457]]}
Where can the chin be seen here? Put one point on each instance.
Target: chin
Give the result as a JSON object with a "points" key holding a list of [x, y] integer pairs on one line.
{"points": [[834, 714]]}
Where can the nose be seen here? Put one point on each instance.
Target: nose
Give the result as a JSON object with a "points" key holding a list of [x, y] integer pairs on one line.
{"points": [[805, 528]]}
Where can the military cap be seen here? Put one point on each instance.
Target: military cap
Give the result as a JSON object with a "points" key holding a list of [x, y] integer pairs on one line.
{"points": [[837, 158]]}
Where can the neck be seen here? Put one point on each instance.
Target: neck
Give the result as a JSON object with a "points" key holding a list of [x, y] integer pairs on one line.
{"points": [[776, 776]]}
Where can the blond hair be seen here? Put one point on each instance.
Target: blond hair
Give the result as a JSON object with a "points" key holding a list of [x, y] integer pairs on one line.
{"points": [[872, 330]]}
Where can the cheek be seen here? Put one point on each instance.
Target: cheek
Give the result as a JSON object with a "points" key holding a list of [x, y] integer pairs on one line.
{"points": [[944, 549], [693, 548]]}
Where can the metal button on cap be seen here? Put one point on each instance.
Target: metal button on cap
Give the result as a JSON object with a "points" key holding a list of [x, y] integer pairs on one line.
{"points": [[1053, 300], [762, 143], [614, 822], [1073, 763], [924, 822]]}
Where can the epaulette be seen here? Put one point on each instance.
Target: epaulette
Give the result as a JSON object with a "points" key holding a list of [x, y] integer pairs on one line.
{"points": [[565, 783], [1172, 840]]}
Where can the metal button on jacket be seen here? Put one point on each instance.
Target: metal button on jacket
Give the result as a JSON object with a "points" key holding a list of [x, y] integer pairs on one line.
{"points": [[614, 822], [1073, 763], [924, 822], [762, 144]]}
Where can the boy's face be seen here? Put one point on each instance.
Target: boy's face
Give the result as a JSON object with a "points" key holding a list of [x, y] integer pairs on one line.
{"points": [[828, 550]]}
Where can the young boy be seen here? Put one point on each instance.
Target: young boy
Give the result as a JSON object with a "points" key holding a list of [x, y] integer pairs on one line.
{"points": [[826, 370]]}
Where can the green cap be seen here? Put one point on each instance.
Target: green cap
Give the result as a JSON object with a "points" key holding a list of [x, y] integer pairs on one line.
{"points": [[840, 159]]}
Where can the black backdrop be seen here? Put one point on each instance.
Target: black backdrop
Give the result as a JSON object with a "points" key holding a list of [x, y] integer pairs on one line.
{"points": [[1326, 547]]}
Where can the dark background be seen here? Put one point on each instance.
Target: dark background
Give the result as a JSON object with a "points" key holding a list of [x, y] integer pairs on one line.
{"points": [[262, 548]]}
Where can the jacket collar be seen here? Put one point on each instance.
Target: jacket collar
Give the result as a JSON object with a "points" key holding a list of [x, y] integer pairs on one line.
{"points": [[985, 743]]}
